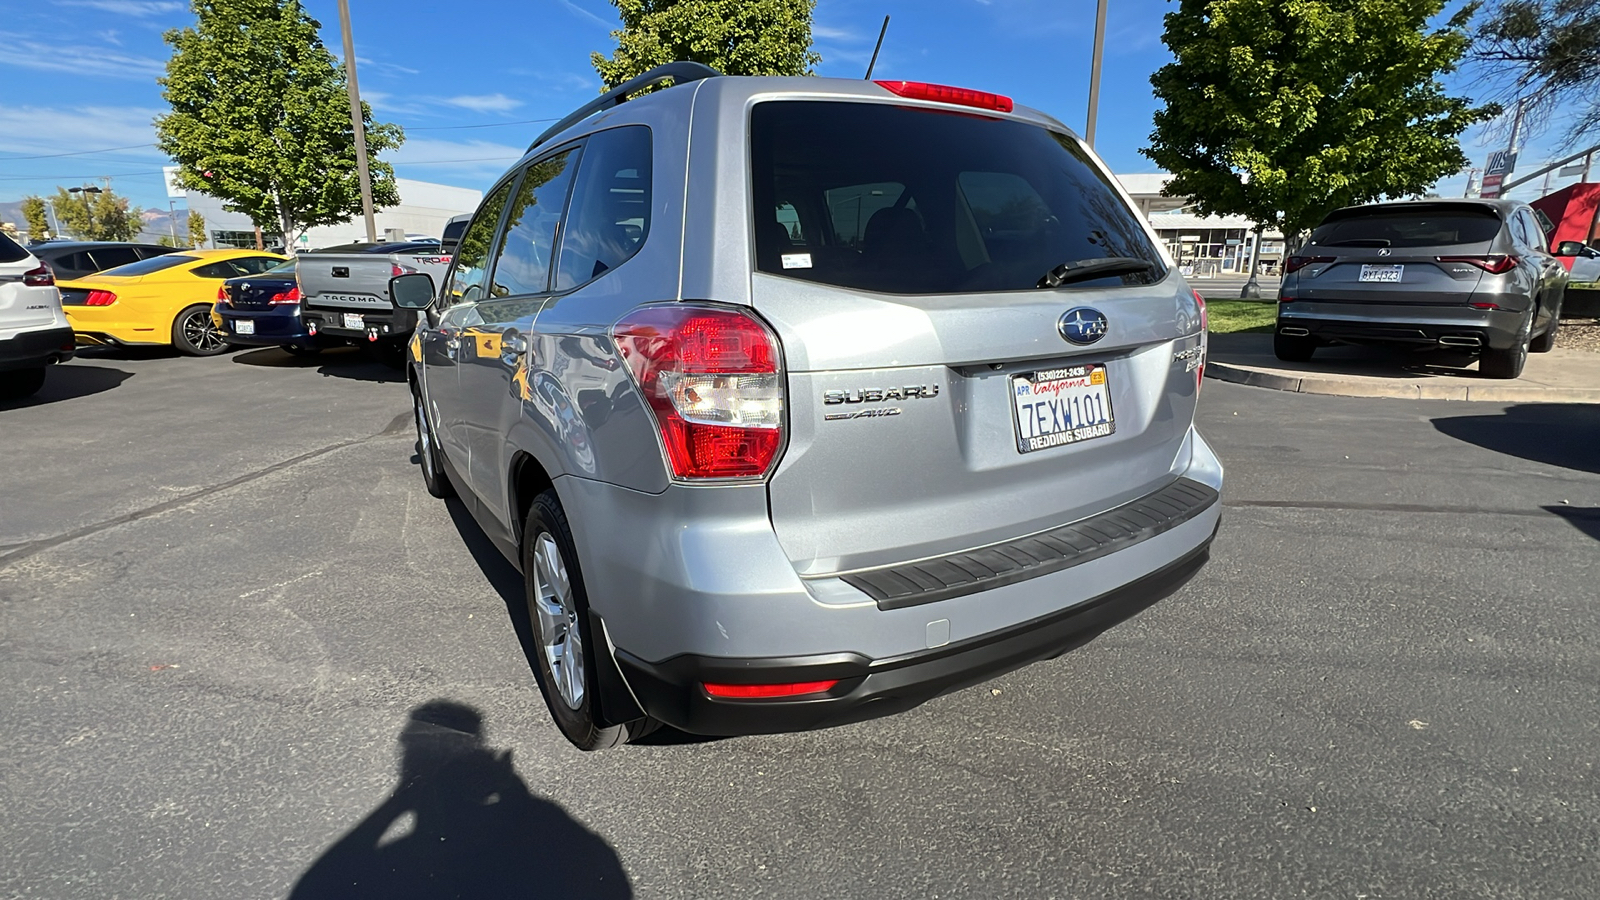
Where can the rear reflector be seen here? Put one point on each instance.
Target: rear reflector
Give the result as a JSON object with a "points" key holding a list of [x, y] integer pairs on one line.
{"points": [[940, 93], [1495, 264], [766, 691], [40, 277], [1484, 305], [1296, 263], [100, 298]]}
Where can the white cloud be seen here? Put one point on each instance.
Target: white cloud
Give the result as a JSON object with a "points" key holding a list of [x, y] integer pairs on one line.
{"points": [[63, 56], [589, 15], [834, 34], [484, 103], [110, 37], [138, 9], [35, 130]]}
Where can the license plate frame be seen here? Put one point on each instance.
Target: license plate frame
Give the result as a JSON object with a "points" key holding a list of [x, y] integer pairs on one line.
{"points": [[244, 326], [352, 321], [1381, 274], [1044, 419]]}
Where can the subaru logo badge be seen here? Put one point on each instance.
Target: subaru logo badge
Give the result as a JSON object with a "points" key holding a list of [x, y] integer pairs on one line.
{"points": [[1082, 325]]}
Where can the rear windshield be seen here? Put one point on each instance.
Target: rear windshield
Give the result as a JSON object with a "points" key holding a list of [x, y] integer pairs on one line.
{"points": [[914, 201], [1409, 228], [285, 269], [153, 264], [11, 251]]}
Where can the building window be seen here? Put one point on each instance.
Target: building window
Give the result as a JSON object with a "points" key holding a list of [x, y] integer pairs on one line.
{"points": [[244, 240]]}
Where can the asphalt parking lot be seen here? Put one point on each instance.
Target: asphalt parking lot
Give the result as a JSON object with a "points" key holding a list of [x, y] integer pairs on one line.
{"points": [[230, 617]]}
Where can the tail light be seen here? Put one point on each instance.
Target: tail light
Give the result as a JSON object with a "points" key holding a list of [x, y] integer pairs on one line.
{"points": [[768, 691], [1296, 263], [100, 298], [222, 295], [292, 295], [1494, 264], [1205, 340], [40, 277], [396, 270], [714, 381], [940, 93]]}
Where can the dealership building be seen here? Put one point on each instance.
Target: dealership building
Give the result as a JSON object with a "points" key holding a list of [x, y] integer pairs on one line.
{"points": [[1203, 246], [423, 209]]}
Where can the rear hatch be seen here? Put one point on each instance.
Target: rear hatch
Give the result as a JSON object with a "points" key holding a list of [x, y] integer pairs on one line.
{"points": [[257, 292], [352, 281], [939, 398], [22, 305], [1414, 254]]}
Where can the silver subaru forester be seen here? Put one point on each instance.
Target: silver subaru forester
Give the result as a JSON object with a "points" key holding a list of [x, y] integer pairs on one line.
{"points": [[800, 401]]}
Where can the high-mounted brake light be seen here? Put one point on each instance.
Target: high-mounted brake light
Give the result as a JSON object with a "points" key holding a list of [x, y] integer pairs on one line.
{"points": [[100, 298], [1296, 263], [942, 93], [714, 381], [40, 277], [1495, 264], [292, 295], [767, 691]]}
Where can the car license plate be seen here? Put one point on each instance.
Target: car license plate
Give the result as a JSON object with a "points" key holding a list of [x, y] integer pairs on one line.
{"points": [[353, 320], [244, 326], [1385, 274], [1061, 406]]}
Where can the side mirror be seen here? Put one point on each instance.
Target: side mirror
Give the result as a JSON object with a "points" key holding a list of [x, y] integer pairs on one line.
{"points": [[413, 291], [1569, 248]]}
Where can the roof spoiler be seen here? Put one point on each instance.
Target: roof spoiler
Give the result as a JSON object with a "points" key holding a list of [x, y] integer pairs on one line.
{"points": [[677, 73]]}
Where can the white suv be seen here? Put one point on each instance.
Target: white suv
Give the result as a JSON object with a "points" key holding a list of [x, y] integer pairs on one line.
{"points": [[34, 332]]}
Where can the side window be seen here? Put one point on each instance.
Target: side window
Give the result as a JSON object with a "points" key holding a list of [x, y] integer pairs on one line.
{"points": [[79, 262], [472, 255], [255, 265], [111, 257], [522, 265], [224, 269], [1519, 229], [1536, 232], [610, 210]]}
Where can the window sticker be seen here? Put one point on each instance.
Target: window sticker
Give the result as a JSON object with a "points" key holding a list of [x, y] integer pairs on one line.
{"points": [[797, 260]]}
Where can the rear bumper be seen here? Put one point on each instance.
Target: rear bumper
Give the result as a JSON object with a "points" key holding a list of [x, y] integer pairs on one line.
{"points": [[31, 349], [273, 326], [1405, 326], [672, 691], [376, 324]]}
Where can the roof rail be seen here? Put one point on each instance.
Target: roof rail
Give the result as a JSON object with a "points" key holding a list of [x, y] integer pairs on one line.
{"points": [[676, 72]]}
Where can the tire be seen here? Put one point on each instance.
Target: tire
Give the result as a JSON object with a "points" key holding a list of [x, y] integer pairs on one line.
{"points": [[434, 477], [558, 613], [302, 350], [1506, 363], [1293, 349], [20, 383], [194, 334], [1546, 342]]}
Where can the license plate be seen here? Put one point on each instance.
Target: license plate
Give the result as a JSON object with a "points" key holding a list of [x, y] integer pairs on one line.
{"points": [[1385, 274], [352, 320], [244, 326], [1061, 406]]}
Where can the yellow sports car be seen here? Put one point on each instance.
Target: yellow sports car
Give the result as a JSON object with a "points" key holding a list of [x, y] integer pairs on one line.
{"points": [[160, 300]]}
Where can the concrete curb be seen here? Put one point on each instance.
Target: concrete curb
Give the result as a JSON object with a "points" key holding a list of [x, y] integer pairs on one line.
{"points": [[1400, 390]]}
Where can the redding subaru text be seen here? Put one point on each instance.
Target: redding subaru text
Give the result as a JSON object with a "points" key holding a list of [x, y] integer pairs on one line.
{"points": [[800, 401]]}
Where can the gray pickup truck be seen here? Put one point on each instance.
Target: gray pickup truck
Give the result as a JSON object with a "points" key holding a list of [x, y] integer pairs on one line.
{"points": [[344, 290]]}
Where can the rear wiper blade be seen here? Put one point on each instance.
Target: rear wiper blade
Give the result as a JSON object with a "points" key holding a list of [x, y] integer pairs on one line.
{"points": [[1356, 242], [1080, 270]]}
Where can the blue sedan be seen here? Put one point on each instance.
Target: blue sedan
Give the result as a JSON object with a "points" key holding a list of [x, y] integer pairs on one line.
{"points": [[264, 311]]}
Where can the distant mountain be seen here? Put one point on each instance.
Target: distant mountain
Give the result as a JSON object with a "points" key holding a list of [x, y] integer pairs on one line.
{"points": [[158, 223]]}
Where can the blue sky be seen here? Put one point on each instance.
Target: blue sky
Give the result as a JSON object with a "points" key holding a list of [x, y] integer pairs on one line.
{"points": [[79, 75]]}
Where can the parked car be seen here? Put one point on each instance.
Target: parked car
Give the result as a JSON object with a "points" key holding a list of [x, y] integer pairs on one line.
{"points": [[162, 300], [1473, 277], [452, 232], [880, 390], [344, 292], [33, 331], [77, 259], [264, 311], [1585, 269]]}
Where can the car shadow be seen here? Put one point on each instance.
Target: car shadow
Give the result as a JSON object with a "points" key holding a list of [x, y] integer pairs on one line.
{"points": [[462, 823], [1584, 518], [335, 362], [1557, 434], [69, 382], [507, 582]]}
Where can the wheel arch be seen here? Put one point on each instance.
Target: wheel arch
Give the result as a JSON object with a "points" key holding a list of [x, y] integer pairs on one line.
{"points": [[528, 479]]}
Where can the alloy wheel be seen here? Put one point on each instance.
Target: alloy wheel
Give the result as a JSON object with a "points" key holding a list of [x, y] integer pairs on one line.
{"points": [[202, 334], [555, 616]]}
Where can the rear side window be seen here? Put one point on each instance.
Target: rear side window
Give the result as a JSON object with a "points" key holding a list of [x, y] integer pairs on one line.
{"points": [[111, 257], [1399, 228], [154, 264], [527, 246], [610, 211], [11, 251], [904, 200], [472, 256]]}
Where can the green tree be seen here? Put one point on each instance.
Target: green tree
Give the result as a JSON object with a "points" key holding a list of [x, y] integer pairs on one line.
{"points": [[737, 37], [1283, 110], [101, 216], [1545, 53], [260, 118], [33, 213], [197, 229]]}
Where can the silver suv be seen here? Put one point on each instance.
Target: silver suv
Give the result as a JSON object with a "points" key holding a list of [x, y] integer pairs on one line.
{"points": [[800, 401]]}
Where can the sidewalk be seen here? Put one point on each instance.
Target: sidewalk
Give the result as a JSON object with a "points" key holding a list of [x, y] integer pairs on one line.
{"points": [[1560, 376]]}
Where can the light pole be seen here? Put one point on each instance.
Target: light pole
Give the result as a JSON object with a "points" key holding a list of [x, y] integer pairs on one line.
{"points": [[1094, 72], [356, 122], [88, 210]]}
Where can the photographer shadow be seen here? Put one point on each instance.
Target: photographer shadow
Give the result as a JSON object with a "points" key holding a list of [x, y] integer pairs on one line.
{"points": [[462, 823]]}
